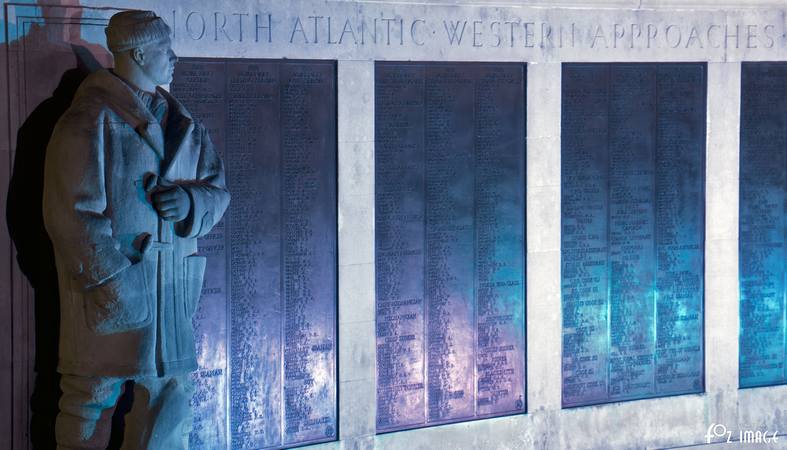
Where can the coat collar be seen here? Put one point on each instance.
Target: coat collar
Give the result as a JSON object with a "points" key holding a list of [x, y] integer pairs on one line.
{"points": [[179, 125], [104, 86]]}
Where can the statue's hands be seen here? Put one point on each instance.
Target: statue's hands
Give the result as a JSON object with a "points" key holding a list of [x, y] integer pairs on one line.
{"points": [[170, 201]]}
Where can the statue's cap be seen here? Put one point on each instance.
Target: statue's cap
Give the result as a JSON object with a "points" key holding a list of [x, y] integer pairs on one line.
{"points": [[135, 28]]}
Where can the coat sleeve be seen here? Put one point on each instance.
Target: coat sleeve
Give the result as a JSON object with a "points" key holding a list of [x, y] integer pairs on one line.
{"points": [[208, 193], [75, 199]]}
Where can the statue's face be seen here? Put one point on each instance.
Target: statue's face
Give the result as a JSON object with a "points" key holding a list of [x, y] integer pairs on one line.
{"points": [[159, 62]]}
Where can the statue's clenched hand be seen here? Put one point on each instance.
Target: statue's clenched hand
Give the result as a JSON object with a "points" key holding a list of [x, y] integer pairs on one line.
{"points": [[170, 201]]}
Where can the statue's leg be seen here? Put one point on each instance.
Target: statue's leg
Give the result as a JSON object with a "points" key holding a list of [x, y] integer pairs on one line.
{"points": [[160, 417], [86, 407]]}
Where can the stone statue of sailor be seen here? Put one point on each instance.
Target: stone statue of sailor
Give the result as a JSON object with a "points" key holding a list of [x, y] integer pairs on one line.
{"points": [[131, 182]]}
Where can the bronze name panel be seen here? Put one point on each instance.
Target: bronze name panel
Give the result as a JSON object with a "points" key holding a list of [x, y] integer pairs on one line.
{"points": [[633, 231], [449, 242], [763, 228], [266, 326]]}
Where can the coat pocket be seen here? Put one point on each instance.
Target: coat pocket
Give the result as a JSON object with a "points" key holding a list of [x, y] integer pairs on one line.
{"points": [[194, 266], [122, 303]]}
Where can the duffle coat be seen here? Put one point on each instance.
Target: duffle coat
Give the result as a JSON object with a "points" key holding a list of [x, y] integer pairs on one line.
{"points": [[129, 281]]}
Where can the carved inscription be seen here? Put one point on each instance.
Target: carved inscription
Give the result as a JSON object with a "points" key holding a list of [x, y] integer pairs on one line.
{"points": [[490, 31], [633, 143], [763, 229], [265, 328], [449, 212]]}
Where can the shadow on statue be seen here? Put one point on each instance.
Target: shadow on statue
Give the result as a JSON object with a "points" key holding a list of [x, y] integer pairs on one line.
{"points": [[36, 256]]}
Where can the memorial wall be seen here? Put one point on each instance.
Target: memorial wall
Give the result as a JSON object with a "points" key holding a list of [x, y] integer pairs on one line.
{"points": [[552, 225]]}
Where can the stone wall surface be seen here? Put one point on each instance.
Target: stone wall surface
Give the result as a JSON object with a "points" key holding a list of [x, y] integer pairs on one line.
{"points": [[544, 34]]}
